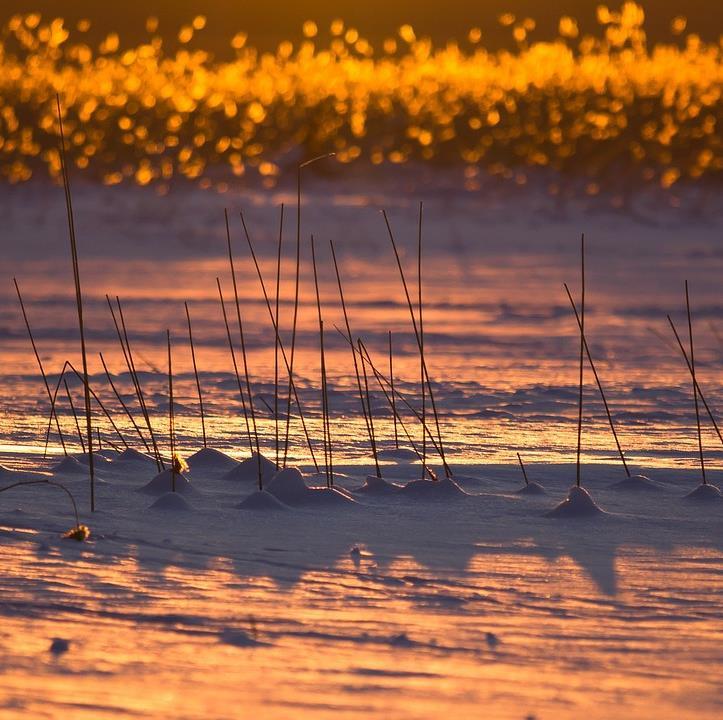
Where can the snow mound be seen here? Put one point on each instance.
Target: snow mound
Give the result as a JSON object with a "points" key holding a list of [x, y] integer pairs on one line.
{"points": [[704, 492], [238, 638], [248, 470], [636, 482], [398, 454], [578, 503], [377, 486], [261, 500], [99, 457], [131, 456], [532, 488], [288, 486], [171, 501], [432, 489], [210, 459], [163, 483], [69, 466]]}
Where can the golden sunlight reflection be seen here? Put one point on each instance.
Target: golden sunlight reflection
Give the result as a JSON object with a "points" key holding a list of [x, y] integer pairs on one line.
{"points": [[606, 107], [325, 636]]}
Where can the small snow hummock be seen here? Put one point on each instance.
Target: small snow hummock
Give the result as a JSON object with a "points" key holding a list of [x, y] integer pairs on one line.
{"points": [[532, 488], [171, 501], [398, 454], [210, 459], [578, 503], [374, 485], [705, 492], [130, 456], [248, 470], [100, 457], [69, 466], [288, 486], [261, 500], [444, 487], [163, 483], [636, 482], [238, 638]]}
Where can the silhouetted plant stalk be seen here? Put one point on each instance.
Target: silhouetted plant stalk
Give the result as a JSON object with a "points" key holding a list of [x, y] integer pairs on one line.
{"points": [[439, 445], [171, 417], [328, 460], [401, 396], [78, 532], [421, 335], [75, 415], [276, 335], [581, 326], [522, 467], [101, 405], [695, 386], [195, 372], [79, 302], [123, 404], [369, 404], [700, 391], [235, 366], [394, 401], [599, 383], [128, 355], [292, 354], [380, 381], [350, 340], [252, 410], [53, 415], [281, 346]]}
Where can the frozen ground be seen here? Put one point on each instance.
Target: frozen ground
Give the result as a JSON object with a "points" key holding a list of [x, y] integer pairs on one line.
{"points": [[453, 605], [466, 605]]}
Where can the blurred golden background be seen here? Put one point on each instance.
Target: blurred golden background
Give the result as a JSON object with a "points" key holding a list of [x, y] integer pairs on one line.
{"points": [[590, 101]]}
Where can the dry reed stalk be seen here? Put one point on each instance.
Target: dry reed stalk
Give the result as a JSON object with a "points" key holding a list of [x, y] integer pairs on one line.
{"points": [[581, 325], [252, 409], [75, 414], [695, 385], [40, 366], [394, 401], [281, 345], [380, 376], [380, 381], [353, 355], [700, 391], [440, 445], [235, 366], [122, 403], [522, 466], [78, 301], [171, 418], [137, 382], [195, 372], [369, 404], [276, 335], [599, 383], [422, 363]]}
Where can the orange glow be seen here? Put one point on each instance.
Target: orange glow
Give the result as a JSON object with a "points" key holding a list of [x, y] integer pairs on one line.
{"points": [[570, 104]]}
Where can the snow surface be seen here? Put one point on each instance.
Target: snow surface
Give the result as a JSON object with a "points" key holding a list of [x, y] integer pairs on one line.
{"points": [[427, 600]]}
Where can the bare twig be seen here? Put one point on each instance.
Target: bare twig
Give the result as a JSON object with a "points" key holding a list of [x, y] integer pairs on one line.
{"points": [[79, 302], [695, 385], [195, 372], [599, 383]]}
